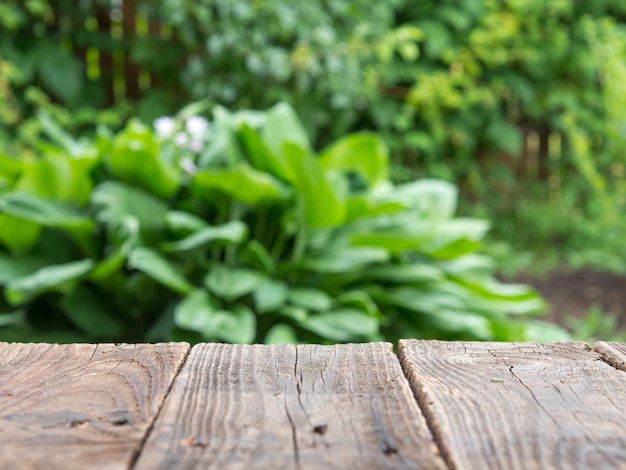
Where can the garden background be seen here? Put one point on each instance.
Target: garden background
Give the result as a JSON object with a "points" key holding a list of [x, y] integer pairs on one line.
{"points": [[332, 215]]}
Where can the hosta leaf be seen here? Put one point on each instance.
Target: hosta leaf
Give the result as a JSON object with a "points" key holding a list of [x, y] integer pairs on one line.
{"points": [[47, 213], [180, 221], [18, 235], [283, 125], [243, 183], [260, 257], [310, 299], [281, 334], [345, 259], [57, 177], [116, 259], [545, 332], [232, 232], [237, 325], [12, 318], [359, 300], [10, 168], [16, 267], [393, 241], [197, 312], [455, 238], [159, 268], [231, 283], [115, 202], [419, 300], [404, 273], [58, 277], [320, 206], [135, 158], [260, 156], [270, 296], [363, 153], [86, 310], [343, 325], [434, 199]]}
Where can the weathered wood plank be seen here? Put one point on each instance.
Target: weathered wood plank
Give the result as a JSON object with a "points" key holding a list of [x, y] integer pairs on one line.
{"points": [[614, 353], [82, 405], [304, 406], [519, 405]]}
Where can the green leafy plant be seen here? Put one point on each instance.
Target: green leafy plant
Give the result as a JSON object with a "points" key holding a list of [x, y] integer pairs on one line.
{"points": [[236, 230]]}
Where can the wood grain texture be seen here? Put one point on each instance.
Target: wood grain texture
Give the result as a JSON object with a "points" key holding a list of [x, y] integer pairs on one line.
{"points": [[296, 406], [81, 406], [519, 405], [613, 353]]}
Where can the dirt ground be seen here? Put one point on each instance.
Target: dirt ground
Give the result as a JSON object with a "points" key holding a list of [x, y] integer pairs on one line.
{"points": [[575, 293]]}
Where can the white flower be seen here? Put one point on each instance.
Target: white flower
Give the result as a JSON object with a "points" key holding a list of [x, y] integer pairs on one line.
{"points": [[197, 126], [196, 146], [188, 165], [181, 139], [164, 126]]}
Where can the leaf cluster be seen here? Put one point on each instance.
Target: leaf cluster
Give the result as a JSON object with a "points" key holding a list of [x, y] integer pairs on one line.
{"points": [[253, 237]]}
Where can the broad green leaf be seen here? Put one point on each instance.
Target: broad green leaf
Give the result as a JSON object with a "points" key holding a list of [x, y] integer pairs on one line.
{"points": [[58, 135], [433, 199], [545, 332], [261, 158], [57, 177], [281, 334], [260, 257], [16, 267], [18, 235], [47, 213], [345, 259], [243, 183], [319, 204], [197, 312], [116, 259], [296, 314], [419, 300], [58, 277], [270, 296], [393, 241], [12, 318], [232, 232], [86, 310], [185, 222], [359, 300], [310, 299], [10, 168], [282, 125], [115, 202], [231, 283], [470, 266], [135, 158], [461, 323], [237, 325], [159, 268], [363, 153], [404, 273], [343, 325], [455, 238]]}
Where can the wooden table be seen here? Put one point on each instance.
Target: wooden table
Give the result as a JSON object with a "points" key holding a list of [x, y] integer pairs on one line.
{"points": [[434, 405]]}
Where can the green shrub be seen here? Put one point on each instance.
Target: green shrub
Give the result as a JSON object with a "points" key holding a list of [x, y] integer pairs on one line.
{"points": [[235, 230]]}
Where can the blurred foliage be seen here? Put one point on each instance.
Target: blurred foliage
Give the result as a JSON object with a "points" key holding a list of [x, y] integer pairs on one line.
{"points": [[235, 230], [452, 87]]}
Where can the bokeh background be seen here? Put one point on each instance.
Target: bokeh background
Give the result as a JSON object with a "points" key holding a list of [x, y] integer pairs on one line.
{"points": [[521, 104]]}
